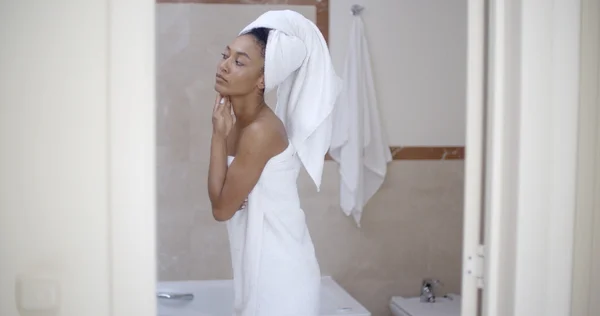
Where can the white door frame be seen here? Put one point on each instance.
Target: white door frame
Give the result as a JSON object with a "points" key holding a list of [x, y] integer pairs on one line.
{"points": [[473, 157], [502, 116], [586, 266], [530, 156], [132, 156], [547, 114]]}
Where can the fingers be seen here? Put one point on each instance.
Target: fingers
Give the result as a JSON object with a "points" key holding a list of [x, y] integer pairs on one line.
{"points": [[224, 109], [225, 106], [228, 115], [233, 118], [217, 102], [221, 102], [244, 204]]}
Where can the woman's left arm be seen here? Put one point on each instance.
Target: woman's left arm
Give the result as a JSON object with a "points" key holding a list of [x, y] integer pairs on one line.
{"points": [[217, 168], [228, 187]]}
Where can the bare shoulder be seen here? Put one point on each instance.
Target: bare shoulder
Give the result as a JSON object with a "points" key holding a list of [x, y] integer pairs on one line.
{"points": [[264, 138]]}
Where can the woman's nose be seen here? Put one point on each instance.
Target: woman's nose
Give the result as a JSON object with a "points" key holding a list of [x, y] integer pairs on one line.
{"points": [[223, 66]]}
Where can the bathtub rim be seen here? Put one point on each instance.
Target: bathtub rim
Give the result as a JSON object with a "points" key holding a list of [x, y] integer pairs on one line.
{"points": [[326, 281]]}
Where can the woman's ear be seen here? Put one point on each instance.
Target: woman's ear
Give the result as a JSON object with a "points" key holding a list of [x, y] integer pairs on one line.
{"points": [[261, 82]]}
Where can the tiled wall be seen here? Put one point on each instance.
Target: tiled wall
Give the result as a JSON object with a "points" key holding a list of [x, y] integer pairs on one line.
{"points": [[412, 228]]}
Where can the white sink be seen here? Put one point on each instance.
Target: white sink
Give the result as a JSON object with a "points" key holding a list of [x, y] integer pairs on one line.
{"points": [[412, 306]]}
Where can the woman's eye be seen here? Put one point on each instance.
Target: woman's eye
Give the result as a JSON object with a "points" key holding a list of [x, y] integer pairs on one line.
{"points": [[238, 63], [224, 56]]}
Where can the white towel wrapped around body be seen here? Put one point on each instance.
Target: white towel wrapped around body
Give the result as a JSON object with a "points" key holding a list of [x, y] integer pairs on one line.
{"points": [[274, 264]]}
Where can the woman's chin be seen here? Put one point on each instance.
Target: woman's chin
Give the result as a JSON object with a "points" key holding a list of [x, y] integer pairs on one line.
{"points": [[220, 89]]}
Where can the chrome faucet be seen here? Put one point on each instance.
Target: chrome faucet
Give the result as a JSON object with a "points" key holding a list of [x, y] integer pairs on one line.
{"points": [[427, 290]]}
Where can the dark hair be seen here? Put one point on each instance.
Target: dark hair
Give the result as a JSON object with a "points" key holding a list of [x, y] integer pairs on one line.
{"points": [[261, 36]]}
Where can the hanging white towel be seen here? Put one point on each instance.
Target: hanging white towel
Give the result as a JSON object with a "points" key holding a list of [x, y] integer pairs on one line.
{"points": [[274, 264], [359, 144]]}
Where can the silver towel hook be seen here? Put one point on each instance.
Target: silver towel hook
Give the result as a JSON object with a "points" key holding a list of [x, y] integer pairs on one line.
{"points": [[356, 9]]}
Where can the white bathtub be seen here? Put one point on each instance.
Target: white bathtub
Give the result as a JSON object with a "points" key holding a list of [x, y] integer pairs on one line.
{"points": [[215, 298]]}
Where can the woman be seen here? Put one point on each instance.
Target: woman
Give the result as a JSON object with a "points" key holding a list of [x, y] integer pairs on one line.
{"points": [[255, 136], [254, 158]]}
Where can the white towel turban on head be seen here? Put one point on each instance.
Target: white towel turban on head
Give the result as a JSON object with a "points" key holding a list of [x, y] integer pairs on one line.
{"points": [[285, 55], [298, 63]]}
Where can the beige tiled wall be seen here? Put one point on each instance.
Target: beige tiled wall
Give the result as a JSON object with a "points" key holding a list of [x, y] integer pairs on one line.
{"points": [[412, 228]]}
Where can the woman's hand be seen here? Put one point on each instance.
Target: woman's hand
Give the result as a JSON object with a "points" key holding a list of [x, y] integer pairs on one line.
{"points": [[244, 205], [223, 118]]}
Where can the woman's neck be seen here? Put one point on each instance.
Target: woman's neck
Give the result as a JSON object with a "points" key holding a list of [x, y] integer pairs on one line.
{"points": [[246, 108]]}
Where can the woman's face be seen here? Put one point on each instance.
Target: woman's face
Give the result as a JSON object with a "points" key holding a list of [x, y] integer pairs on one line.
{"points": [[240, 71]]}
